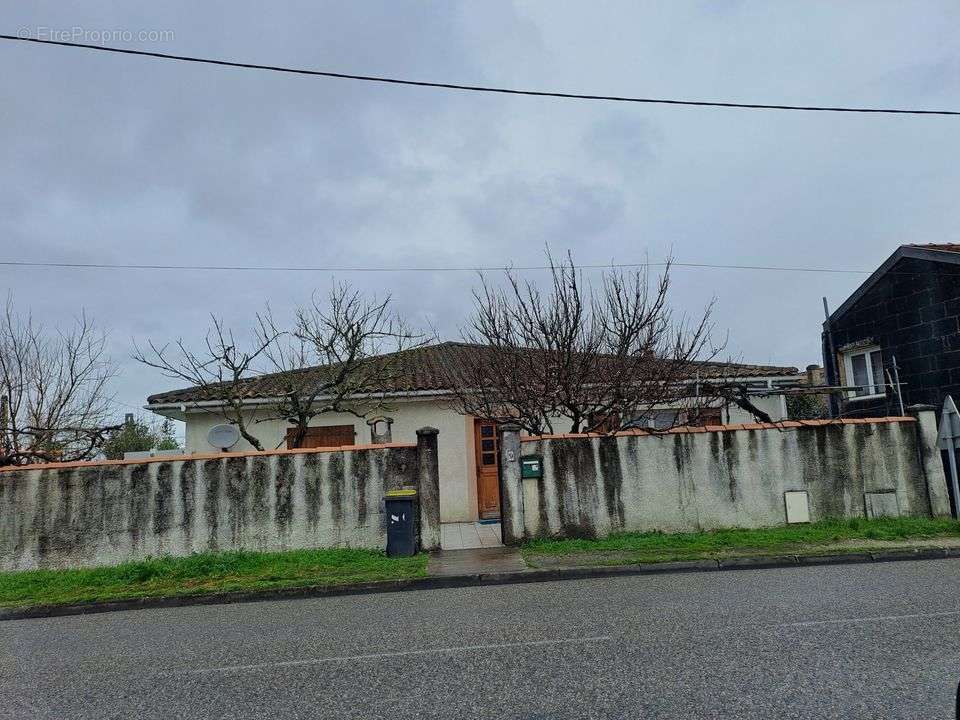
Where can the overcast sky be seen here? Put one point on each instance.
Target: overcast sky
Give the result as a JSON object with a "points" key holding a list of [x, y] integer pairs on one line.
{"points": [[120, 159]]}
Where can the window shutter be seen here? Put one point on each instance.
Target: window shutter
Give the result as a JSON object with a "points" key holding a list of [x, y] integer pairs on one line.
{"points": [[324, 436]]}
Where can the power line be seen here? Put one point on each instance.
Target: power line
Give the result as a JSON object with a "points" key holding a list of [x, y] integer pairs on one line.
{"points": [[476, 88], [126, 405], [385, 269]]}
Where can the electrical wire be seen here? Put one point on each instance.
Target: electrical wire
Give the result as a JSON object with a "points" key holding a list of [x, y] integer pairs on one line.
{"points": [[426, 269], [439, 269], [477, 88]]}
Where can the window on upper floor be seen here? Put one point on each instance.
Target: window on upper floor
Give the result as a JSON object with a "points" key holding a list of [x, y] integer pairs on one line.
{"points": [[864, 368]]}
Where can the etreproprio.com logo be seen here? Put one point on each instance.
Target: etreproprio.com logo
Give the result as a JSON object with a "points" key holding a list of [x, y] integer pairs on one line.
{"points": [[94, 36]]}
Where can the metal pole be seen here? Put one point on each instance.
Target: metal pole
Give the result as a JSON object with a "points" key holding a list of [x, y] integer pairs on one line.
{"points": [[947, 437], [954, 484], [4, 410], [830, 363], [896, 378], [696, 398]]}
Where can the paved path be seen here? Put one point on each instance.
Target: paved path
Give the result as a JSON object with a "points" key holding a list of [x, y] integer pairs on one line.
{"points": [[852, 641], [477, 560], [463, 536]]}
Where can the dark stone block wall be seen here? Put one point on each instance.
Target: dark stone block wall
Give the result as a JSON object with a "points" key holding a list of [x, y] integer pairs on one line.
{"points": [[913, 314]]}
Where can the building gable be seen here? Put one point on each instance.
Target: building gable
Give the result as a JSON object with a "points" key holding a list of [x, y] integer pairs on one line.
{"points": [[908, 311]]}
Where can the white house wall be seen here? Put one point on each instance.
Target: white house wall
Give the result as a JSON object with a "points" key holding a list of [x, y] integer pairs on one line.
{"points": [[774, 405]]}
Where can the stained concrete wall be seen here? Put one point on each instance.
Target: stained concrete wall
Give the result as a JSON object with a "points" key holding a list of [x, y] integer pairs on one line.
{"points": [[692, 479], [458, 487], [106, 513], [456, 452]]}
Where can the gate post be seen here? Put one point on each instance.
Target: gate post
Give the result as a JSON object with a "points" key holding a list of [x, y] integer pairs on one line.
{"points": [[511, 486], [930, 460], [428, 486]]}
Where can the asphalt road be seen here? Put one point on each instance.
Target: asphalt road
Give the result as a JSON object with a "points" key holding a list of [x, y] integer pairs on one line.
{"points": [[853, 641]]}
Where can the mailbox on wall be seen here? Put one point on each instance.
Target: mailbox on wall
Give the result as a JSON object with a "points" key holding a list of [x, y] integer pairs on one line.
{"points": [[531, 466]]}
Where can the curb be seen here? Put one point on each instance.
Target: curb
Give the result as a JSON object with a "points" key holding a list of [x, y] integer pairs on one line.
{"points": [[483, 579]]}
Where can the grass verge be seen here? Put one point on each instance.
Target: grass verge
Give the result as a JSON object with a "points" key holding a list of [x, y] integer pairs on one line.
{"points": [[203, 573], [630, 548]]}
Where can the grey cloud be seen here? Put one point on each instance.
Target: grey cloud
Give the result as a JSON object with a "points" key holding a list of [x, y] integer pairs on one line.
{"points": [[132, 160], [627, 144], [556, 210]]}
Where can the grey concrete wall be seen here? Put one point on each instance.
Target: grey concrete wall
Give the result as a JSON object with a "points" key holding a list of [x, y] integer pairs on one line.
{"points": [[511, 484], [686, 481], [108, 513], [454, 451]]}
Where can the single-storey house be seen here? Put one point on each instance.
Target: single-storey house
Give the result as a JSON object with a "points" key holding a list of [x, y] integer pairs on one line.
{"points": [[897, 337], [418, 395]]}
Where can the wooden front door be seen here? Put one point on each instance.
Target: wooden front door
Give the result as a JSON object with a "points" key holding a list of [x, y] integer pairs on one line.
{"points": [[488, 460], [323, 436]]}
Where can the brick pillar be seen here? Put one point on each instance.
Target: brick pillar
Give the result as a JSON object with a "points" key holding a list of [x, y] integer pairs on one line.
{"points": [[930, 460], [428, 488], [511, 486]]}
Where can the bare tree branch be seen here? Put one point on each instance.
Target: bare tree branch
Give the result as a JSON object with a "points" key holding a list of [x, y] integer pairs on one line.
{"points": [[221, 370], [340, 357], [54, 400], [596, 358]]}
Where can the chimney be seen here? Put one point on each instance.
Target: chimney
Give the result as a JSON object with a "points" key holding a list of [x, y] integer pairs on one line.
{"points": [[380, 432]]}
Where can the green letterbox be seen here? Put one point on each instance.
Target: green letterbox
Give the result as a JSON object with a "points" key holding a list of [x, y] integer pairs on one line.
{"points": [[531, 466]]}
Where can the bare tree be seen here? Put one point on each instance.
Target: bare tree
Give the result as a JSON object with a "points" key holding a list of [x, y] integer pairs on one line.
{"points": [[54, 400], [598, 358], [336, 358], [340, 357], [221, 371]]}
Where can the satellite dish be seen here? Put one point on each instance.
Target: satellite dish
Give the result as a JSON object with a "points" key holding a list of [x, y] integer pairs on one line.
{"points": [[223, 436]]}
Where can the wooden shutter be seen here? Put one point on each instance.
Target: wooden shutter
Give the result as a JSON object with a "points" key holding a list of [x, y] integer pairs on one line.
{"points": [[323, 436], [707, 416]]}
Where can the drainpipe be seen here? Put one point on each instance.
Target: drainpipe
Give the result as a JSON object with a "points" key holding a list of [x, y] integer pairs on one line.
{"points": [[830, 362], [896, 379]]}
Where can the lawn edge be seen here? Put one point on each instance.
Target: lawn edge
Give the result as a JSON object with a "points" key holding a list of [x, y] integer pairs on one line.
{"points": [[755, 562]]}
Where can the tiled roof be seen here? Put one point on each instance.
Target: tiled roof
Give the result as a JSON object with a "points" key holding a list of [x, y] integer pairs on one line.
{"points": [[694, 429], [428, 368], [944, 247]]}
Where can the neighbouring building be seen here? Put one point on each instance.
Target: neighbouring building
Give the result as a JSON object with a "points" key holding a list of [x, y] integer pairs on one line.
{"points": [[902, 323], [419, 395]]}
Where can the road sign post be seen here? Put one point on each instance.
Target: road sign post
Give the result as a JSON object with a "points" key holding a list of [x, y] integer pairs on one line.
{"points": [[948, 439]]}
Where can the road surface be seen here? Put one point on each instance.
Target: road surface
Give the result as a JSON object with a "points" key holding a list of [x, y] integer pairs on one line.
{"points": [[852, 641]]}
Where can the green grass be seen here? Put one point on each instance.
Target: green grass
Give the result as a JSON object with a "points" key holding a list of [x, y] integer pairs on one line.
{"points": [[793, 539], [205, 573]]}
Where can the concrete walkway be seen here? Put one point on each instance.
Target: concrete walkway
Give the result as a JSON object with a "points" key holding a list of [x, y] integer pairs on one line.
{"points": [[476, 560], [463, 536]]}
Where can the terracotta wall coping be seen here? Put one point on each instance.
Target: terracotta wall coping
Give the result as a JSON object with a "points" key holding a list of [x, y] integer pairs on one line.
{"points": [[202, 456], [690, 429]]}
